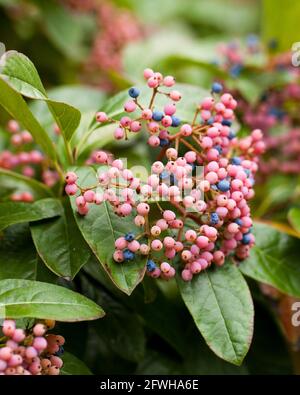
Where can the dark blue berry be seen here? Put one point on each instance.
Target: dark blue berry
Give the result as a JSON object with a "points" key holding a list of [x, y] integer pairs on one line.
{"points": [[128, 255], [223, 185], [239, 221], [60, 351], [157, 115], [214, 218], [226, 122], [150, 265], [231, 135], [129, 236], [164, 142], [134, 92], [246, 238], [236, 160], [175, 121], [216, 87], [218, 148], [210, 121]]}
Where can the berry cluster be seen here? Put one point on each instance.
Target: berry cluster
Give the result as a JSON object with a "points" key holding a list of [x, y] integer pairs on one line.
{"points": [[30, 351], [21, 156], [116, 28], [203, 173], [277, 108]]}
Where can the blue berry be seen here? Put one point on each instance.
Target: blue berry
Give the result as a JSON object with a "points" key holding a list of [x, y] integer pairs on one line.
{"points": [[214, 187], [246, 238], [235, 70], [231, 135], [218, 148], [239, 221], [236, 160], [164, 142], [175, 121], [214, 218], [134, 92], [216, 87], [210, 121], [157, 115], [128, 255], [223, 185], [129, 236], [164, 175], [60, 351], [226, 122], [150, 265]]}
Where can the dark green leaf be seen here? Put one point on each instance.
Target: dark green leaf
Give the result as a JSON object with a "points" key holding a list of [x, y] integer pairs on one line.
{"points": [[18, 257], [294, 218], [221, 306], [274, 260], [22, 75], [18, 212], [73, 366], [100, 228], [17, 182], [16, 106], [60, 244], [25, 298]]}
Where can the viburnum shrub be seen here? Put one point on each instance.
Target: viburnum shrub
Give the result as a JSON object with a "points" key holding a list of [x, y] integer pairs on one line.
{"points": [[214, 201], [156, 184], [30, 351]]}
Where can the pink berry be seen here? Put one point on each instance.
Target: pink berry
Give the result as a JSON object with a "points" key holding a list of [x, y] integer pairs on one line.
{"points": [[169, 81], [169, 242], [40, 343], [18, 336], [175, 95], [143, 209], [71, 177], [135, 126], [148, 73], [186, 275], [71, 189], [5, 353], [8, 327], [130, 106], [89, 196], [156, 245], [134, 246], [101, 117], [170, 109], [169, 215], [165, 267], [118, 256]]}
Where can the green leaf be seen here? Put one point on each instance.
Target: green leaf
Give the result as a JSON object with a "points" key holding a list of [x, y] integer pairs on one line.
{"points": [[221, 306], [21, 74], [17, 182], [25, 298], [280, 22], [73, 366], [16, 106], [18, 212], [60, 244], [69, 32], [18, 258], [129, 339], [294, 218], [100, 228], [274, 260]]}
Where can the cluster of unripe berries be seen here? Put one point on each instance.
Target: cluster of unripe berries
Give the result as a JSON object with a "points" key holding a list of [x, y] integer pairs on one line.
{"points": [[276, 109], [208, 216], [30, 351], [116, 29], [21, 156]]}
